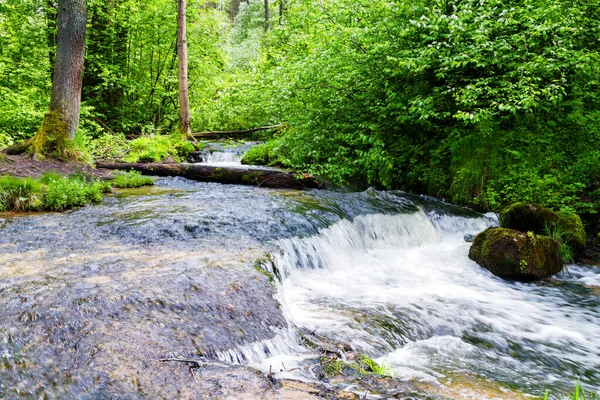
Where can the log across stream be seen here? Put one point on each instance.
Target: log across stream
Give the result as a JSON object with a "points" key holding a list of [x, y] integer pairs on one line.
{"points": [[272, 178]]}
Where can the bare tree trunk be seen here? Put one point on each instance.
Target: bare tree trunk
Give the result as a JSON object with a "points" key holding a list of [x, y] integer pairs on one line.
{"points": [[184, 99], [281, 9], [61, 120], [266, 15]]}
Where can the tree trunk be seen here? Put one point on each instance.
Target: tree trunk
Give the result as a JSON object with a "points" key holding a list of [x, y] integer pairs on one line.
{"points": [[61, 120], [266, 15], [281, 9], [184, 100], [230, 175]]}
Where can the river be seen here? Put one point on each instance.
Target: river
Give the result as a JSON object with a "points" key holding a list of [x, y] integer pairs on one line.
{"points": [[91, 300]]}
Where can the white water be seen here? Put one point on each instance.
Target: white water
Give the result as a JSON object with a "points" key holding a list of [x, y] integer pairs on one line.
{"points": [[401, 288], [225, 159]]}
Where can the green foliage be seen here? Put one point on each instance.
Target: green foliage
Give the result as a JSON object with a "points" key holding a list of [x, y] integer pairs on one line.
{"points": [[73, 191], [264, 154], [567, 254], [19, 194], [52, 192], [184, 149], [131, 179], [370, 365], [484, 103], [157, 148], [578, 394]]}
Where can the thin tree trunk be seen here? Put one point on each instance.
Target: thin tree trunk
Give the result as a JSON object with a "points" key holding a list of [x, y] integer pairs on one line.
{"points": [[281, 9], [266, 15], [184, 100]]}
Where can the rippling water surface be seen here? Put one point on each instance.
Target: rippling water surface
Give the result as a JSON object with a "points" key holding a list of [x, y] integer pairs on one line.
{"points": [[90, 300]]}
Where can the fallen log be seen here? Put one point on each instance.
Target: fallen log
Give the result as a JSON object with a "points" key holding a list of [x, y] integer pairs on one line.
{"points": [[230, 175], [229, 133]]}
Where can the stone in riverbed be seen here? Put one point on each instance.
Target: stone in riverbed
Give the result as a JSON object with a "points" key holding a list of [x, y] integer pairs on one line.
{"points": [[515, 255], [532, 217]]}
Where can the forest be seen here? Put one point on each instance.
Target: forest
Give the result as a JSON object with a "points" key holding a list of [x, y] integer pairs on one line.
{"points": [[482, 104]]}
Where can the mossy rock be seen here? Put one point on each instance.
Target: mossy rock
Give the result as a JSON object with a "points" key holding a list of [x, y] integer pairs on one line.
{"points": [[515, 255], [540, 220]]}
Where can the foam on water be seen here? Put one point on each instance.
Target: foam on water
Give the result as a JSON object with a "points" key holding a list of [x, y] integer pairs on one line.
{"points": [[402, 288], [222, 158]]}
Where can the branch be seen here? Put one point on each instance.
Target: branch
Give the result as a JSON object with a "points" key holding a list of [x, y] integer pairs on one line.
{"points": [[216, 133]]}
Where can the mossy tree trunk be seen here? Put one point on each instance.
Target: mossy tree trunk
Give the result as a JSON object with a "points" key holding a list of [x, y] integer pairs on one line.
{"points": [[61, 120]]}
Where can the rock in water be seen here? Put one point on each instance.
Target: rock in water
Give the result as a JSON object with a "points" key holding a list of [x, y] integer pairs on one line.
{"points": [[515, 255], [469, 238], [532, 217]]}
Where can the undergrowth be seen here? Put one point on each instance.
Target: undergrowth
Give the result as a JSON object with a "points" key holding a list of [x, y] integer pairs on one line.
{"points": [[264, 154], [131, 179], [51, 192]]}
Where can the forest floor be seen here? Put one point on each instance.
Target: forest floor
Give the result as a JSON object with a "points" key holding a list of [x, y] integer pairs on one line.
{"points": [[24, 166]]}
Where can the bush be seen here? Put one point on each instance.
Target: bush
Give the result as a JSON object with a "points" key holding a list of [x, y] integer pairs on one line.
{"points": [[264, 154], [19, 194], [73, 191], [131, 179], [158, 148], [52, 192]]}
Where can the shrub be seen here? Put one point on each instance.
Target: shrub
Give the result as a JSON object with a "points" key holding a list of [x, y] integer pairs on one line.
{"points": [[131, 179], [51, 192], [73, 191], [19, 194], [264, 154]]}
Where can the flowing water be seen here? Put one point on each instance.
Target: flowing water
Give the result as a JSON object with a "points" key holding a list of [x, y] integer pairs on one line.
{"points": [[90, 300], [217, 154]]}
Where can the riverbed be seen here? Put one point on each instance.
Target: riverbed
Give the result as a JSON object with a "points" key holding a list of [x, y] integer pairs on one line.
{"points": [[102, 301]]}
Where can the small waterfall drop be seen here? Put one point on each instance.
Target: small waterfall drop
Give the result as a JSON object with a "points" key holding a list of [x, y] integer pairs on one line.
{"points": [[221, 158], [400, 288]]}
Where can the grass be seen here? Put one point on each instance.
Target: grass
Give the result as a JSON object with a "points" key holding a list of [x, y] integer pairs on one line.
{"points": [[51, 192], [371, 366], [564, 249], [578, 394], [131, 179]]}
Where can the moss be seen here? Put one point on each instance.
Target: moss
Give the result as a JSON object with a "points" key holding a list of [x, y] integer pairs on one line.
{"points": [[220, 174], [543, 221], [262, 265], [574, 233], [251, 178], [527, 217], [516, 255], [184, 149]]}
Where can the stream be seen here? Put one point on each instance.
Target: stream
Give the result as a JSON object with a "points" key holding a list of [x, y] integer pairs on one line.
{"points": [[93, 299]]}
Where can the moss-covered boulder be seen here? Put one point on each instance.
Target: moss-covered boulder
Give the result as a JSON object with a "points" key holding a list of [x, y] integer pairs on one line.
{"points": [[515, 255], [540, 220]]}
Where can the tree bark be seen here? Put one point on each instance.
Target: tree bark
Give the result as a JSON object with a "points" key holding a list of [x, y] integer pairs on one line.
{"points": [[228, 133], [61, 120], [266, 15], [184, 100], [281, 9], [229, 175]]}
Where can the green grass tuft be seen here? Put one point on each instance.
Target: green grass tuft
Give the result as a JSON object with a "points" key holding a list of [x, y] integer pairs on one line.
{"points": [[131, 179]]}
